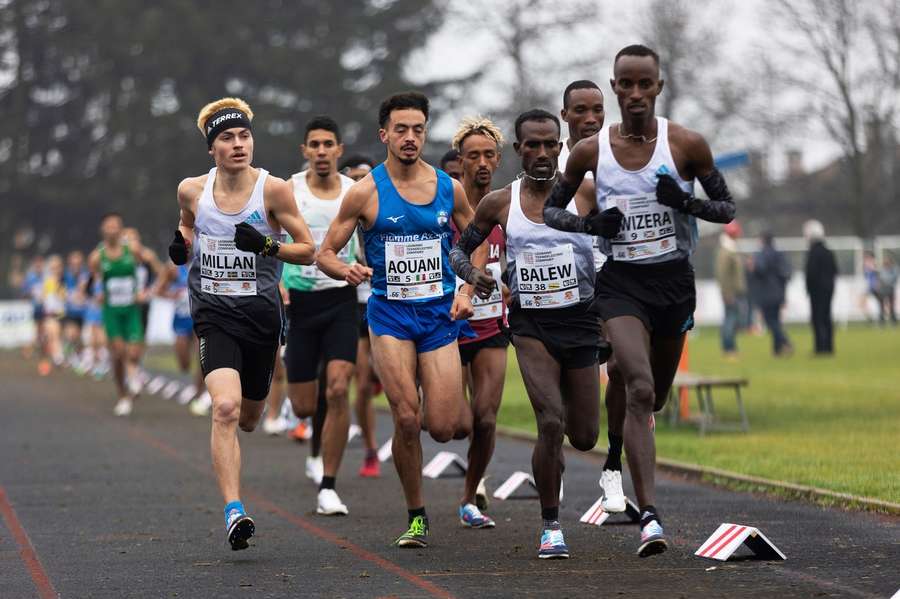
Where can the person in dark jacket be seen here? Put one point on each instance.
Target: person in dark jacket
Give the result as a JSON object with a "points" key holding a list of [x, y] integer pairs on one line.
{"points": [[821, 271], [771, 273]]}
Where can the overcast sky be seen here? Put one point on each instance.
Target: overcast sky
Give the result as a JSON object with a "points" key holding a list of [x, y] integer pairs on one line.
{"points": [[457, 50]]}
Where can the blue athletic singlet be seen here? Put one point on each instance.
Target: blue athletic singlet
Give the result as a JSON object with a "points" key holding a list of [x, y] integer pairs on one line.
{"points": [[408, 247]]}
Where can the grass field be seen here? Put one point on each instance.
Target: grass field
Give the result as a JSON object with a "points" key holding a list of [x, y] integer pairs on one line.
{"points": [[827, 422]]}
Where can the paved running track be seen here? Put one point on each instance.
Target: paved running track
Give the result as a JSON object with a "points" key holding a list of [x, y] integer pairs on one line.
{"points": [[96, 506]]}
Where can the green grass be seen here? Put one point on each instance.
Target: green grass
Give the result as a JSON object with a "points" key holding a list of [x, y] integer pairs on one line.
{"points": [[826, 422]]}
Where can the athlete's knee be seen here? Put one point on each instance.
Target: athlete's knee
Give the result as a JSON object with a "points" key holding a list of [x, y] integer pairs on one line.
{"points": [[584, 437], [226, 410], [485, 422], [248, 422], [640, 395], [337, 393], [551, 427], [407, 423]]}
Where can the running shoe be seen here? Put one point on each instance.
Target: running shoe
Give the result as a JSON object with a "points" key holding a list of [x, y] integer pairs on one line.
{"points": [[471, 517], [613, 496], [44, 367], [330, 504], [481, 496], [273, 426], [553, 545], [315, 469], [201, 405], [301, 432], [239, 528], [371, 467], [416, 535], [134, 384], [653, 540], [123, 407]]}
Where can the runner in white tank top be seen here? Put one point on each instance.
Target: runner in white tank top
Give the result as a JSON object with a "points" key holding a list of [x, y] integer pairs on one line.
{"points": [[231, 223], [645, 168], [555, 331]]}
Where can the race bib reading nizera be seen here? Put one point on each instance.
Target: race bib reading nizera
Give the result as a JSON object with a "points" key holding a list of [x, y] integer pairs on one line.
{"points": [[547, 278], [492, 307], [413, 269], [224, 269], [647, 230], [120, 291]]}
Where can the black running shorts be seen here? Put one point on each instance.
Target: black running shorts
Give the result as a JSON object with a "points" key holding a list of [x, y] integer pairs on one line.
{"points": [[572, 335], [468, 351], [662, 295], [323, 328], [255, 363]]}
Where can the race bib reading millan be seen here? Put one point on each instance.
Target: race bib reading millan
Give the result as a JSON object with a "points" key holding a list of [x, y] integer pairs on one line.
{"points": [[413, 269], [547, 279], [492, 307], [224, 269], [647, 231]]}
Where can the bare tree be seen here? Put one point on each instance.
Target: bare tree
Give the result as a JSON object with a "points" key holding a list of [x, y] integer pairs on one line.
{"points": [[852, 79]]}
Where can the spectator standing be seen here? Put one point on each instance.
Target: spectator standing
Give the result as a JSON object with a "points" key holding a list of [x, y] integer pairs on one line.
{"points": [[887, 285], [821, 271], [732, 284], [771, 273]]}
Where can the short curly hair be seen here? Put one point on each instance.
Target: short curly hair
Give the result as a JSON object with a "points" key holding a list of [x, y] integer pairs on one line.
{"points": [[476, 125], [214, 107]]}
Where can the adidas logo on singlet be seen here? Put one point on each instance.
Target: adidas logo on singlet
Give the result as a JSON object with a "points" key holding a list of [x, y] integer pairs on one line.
{"points": [[255, 219]]}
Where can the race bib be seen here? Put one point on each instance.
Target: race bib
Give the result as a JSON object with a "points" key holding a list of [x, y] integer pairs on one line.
{"points": [[648, 229], [547, 278], [413, 269], [492, 307], [120, 291], [224, 269], [599, 257], [312, 271]]}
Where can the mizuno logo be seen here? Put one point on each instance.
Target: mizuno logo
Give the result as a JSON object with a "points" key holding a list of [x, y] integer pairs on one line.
{"points": [[394, 219]]}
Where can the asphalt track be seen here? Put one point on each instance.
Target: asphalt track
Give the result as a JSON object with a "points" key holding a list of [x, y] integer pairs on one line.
{"points": [[97, 506]]}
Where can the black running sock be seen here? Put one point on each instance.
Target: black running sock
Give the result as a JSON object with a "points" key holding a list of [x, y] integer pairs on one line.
{"points": [[327, 483], [371, 454], [419, 511], [648, 514], [614, 457], [550, 516]]}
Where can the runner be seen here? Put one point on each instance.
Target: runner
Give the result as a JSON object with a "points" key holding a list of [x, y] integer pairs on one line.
{"points": [[483, 358], [53, 299], [414, 318], [451, 164], [95, 357], [33, 289], [173, 284], [76, 277], [231, 223], [148, 269], [367, 383], [322, 310], [584, 113], [645, 167], [115, 264], [556, 332]]}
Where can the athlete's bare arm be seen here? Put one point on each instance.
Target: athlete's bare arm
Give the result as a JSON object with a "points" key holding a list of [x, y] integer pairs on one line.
{"points": [[492, 210], [280, 205], [93, 262], [343, 227], [169, 273], [189, 191], [694, 160], [478, 281]]}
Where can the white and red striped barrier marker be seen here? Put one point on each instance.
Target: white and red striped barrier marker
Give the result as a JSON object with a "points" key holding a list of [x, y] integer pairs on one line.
{"points": [[443, 460], [386, 451], [171, 389], [515, 481], [154, 386], [728, 537], [596, 515]]}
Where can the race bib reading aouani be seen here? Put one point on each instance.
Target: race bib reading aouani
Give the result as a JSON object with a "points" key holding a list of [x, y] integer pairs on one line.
{"points": [[413, 269]]}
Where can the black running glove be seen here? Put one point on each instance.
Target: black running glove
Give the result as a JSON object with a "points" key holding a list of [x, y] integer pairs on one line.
{"points": [[605, 224], [669, 194], [178, 249], [248, 239]]}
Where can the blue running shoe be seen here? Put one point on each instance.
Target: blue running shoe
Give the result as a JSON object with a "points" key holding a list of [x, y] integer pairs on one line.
{"points": [[653, 540], [471, 517], [553, 545], [239, 528]]}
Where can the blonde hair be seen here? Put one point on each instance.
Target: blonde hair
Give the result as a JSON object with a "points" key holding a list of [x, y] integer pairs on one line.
{"points": [[477, 125], [214, 107]]}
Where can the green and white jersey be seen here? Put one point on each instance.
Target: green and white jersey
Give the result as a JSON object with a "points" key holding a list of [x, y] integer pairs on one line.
{"points": [[318, 214], [119, 278]]}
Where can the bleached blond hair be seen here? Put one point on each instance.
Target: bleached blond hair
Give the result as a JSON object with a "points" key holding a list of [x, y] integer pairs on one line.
{"points": [[214, 107], [477, 125]]}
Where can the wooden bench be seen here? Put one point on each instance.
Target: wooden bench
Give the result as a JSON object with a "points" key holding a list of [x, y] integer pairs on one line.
{"points": [[703, 385]]}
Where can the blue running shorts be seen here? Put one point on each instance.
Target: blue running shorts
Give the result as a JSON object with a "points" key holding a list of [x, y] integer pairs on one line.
{"points": [[183, 326], [427, 324]]}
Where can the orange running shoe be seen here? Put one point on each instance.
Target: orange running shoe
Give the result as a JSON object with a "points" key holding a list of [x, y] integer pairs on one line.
{"points": [[371, 467], [301, 432], [44, 367]]}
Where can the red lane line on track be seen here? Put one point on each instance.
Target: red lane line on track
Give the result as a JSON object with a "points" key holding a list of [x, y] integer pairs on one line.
{"points": [[301, 522], [26, 549]]}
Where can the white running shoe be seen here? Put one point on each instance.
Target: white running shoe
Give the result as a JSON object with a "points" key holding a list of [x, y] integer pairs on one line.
{"points": [[315, 469], [123, 407], [273, 426], [613, 496], [134, 384], [201, 405], [330, 504]]}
